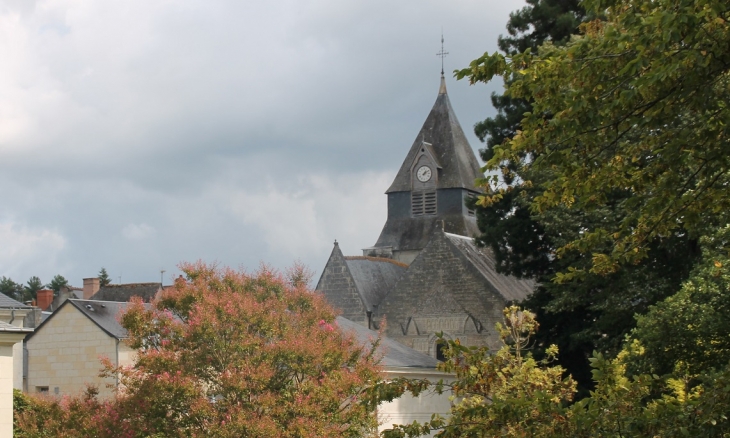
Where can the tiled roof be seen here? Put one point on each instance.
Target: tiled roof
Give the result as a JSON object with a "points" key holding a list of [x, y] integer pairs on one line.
{"points": [[5, 327], [395, 353], [449, 145], [125, 292], [6, 301], [105, 314], [374, 277], [511, 288]]}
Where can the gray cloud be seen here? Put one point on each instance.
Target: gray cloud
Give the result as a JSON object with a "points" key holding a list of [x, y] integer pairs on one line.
{"points": [[135, 135]]}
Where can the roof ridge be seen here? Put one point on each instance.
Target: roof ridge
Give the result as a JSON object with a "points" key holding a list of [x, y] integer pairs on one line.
{"points": [[459, 236], [98, 301]]}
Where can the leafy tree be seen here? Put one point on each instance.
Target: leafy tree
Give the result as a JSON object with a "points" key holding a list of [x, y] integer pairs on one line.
{"points": [[11, 288], [104, 279], [689, 331], [58, 283], [597, 312], [30, 290], [539, 21], [494, 390], [636, 105], [234, 355], [509, 394]]}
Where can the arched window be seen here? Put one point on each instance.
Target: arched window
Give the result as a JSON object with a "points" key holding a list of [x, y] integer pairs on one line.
{"points": [[441, 348]]}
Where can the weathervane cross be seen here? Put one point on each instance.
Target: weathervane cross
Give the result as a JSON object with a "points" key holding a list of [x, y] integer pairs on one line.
{"points": [[442, 54]]}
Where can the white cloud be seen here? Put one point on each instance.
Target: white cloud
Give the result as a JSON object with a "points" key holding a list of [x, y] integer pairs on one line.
{"points": [[304, 220], [138, 231], [23, 248]]}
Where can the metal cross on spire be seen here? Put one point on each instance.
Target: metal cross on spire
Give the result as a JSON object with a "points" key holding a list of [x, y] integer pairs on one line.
{"points": [[442, 54]]}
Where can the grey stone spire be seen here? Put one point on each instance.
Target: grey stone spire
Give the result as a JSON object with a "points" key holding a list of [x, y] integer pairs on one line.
{"points": [[433, 183]]}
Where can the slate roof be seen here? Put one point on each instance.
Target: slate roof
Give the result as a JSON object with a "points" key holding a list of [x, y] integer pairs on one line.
{"points": [[395, 353], [449, 144], [374, 277], [5, 327], [511, 288], [6, 301], [125, 292], [105, 314]]}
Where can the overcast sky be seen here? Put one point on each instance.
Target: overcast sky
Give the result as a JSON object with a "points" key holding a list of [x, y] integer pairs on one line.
{"points": [[138, 134]]}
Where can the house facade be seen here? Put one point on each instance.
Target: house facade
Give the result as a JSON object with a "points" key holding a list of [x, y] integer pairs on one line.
{"points": [[64, 353]]}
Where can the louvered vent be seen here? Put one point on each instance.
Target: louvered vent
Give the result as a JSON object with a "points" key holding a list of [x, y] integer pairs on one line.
{"points": [[423, 203]]}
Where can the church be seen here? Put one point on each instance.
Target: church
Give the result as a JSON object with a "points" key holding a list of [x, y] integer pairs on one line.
{"points": [[425, 274]]}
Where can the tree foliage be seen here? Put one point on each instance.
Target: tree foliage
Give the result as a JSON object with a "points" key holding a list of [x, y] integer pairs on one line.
{"points": [[690, 331], [498, 393], [104, 279], [509, 394], [231, 354], [31, 288], [598, 311], [637, 104], [11, 288], [57, 283]]}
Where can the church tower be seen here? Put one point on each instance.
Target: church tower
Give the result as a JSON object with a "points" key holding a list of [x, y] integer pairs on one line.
{"points": [[432, 185], [426, 275]]}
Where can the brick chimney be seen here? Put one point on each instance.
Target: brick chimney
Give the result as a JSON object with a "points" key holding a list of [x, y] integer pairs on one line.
{"points": [[91, 286], [44, 298]]}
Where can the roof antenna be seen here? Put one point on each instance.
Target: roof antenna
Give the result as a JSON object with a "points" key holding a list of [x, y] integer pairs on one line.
{"points": [[442, 54]]}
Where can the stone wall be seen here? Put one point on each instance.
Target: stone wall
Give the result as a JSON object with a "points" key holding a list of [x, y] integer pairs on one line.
{"points": [[338, 287]]}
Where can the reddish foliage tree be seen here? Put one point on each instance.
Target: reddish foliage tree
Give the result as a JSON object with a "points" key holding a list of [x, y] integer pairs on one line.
{"points": [[230, 354]]}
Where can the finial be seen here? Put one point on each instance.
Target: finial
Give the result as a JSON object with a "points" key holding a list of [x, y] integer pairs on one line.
{"points": [[335, 242], [442, 54]]}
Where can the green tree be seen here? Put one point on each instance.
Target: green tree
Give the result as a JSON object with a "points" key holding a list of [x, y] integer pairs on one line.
{"points": [[498, 392], [57, 283], [509, 394], [637, 105], [230, 354], [11, 288], [104, 279], [689, 331], [539, 21], [597, 312], [31, 288]]}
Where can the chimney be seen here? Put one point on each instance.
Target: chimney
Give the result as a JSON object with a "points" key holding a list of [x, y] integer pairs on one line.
{"points": [[91, 286], [44, 298]]}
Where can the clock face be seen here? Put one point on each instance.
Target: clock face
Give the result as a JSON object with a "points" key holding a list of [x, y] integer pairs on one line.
{"points": [[423, 173]]}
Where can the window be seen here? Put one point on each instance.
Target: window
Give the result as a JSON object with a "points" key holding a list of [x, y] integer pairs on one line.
{"points": [[41, 389], [423, 203], [470, 198], [440, 351]]}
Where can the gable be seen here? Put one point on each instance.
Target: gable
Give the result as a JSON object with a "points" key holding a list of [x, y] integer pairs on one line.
{"points": [[66, 320], [339, 288], [451, 285], [439, 282]]}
